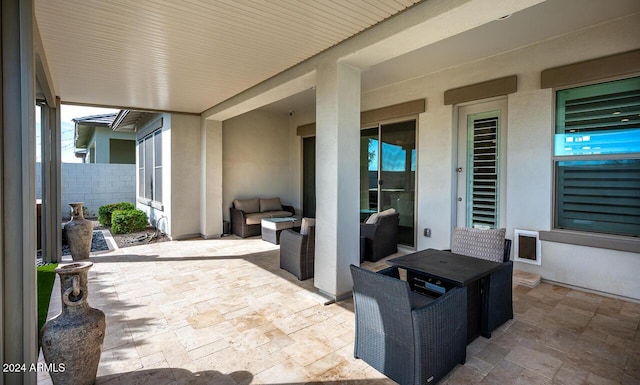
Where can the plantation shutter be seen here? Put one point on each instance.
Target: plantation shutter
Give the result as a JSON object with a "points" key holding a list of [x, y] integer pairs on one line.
{"points": [[484, 180], [600, 113], [601, 121], [600, 196]]}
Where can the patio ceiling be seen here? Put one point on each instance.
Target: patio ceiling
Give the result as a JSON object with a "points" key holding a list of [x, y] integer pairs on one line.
{"points": [[191, 55]]}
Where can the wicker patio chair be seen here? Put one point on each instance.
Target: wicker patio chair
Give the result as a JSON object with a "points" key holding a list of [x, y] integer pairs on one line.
{"points": [[410, 338], [490, 244], [380, 238], [297, 252]]}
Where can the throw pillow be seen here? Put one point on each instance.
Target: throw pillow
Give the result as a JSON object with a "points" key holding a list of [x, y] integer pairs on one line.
{"points": [[388, 211], [373, 219], [306, 223], [247, 205], [479, 243], [271, 204]]}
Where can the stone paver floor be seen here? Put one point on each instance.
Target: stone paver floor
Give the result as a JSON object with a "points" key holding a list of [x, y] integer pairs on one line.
{"points": [[222, 312]]}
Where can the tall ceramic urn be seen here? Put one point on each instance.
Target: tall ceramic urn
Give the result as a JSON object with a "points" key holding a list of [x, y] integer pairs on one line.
{"points": [[73, 339], [79, 233]]}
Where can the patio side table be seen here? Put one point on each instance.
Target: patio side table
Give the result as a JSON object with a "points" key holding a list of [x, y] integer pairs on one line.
{"points": [[272, 227]]}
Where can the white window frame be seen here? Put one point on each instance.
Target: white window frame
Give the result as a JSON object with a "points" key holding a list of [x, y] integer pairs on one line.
{"points": [[156, 196]]}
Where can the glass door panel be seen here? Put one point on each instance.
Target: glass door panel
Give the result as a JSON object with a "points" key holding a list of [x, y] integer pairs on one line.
{"points": [[309, 177], [397, 175], [368, 172]]}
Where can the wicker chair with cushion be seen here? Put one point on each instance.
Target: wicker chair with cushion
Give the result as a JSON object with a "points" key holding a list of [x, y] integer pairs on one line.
{"points": [[380, 232], [410, 338], [491, 245], [297, 250]]}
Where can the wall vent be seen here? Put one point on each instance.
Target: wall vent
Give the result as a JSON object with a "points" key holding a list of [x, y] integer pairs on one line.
{"points": [[527, 247]]}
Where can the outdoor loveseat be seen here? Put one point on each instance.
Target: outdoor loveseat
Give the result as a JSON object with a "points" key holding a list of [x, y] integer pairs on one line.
{"points": [[247, 214]]}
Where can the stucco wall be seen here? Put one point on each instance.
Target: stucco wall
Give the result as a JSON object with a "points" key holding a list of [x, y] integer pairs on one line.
{"points": [[186, 175], [100, 140], [528, 154], [159, 215], [529, 149], [256, 158]]}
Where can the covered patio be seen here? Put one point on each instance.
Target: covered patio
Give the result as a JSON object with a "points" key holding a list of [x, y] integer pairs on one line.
{"points": [[237, 89], [222, 312]]}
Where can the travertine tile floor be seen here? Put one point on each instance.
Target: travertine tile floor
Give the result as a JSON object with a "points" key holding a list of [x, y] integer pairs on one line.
{"points": [[222, 312]]}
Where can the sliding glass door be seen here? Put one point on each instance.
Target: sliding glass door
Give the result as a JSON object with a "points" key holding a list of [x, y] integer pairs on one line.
{"points": [[388, 174]]}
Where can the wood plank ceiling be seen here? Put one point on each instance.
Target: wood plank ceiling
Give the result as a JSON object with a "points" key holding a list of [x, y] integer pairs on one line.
{"points": [[189, 55]]}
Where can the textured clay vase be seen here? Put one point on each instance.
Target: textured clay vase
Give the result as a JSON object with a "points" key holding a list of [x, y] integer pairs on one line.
{"points": [[73, 339], [79, 233]]}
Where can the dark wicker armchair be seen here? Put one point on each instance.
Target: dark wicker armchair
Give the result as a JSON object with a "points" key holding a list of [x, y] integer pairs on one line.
{"points": [[410, 338], [478, 243], [500, 300], [297, 252], [380, 238]]}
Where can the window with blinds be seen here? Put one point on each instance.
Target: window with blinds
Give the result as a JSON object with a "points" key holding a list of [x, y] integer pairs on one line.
{"points": [[150, 167], [482, 203], [597, 158]]}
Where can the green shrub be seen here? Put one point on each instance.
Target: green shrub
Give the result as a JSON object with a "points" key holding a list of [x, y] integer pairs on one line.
{"points": [[104, 212], [128, 221]]}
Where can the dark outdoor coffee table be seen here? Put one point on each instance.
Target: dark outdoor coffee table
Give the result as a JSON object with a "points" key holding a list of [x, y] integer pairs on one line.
{"points": [[432, 272]]}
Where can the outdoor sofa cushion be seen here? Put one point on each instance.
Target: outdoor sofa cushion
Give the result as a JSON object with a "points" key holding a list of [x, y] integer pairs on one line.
{"points": [[306, 223], [271, 204], [256, 218], [247, 205]]}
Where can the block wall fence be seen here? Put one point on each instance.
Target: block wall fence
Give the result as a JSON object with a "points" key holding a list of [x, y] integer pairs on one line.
{"points": [[95, 184]]}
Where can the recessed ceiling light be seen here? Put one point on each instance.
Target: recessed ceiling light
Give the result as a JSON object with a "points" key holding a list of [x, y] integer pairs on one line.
{"points": [[505, 17], [617, 113], [625, 120]]}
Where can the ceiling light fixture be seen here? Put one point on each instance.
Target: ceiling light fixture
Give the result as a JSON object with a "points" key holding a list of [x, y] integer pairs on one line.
{"points": [[617, 113]]}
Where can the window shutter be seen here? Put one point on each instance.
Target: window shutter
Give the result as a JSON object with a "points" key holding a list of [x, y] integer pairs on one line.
{"points": [[599, 196], [484, 181], [615, 111], [601, 192]]}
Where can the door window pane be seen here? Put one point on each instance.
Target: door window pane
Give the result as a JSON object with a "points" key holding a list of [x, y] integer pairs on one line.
{"points": [[368, 172], [397, 175]]}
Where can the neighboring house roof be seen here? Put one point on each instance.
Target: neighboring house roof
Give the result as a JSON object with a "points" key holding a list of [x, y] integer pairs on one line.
{"points": [[127, 120], [122, 121], [85, 127]]}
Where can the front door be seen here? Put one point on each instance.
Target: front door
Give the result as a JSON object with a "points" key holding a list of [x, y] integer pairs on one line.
{"points": [[480, 164]]}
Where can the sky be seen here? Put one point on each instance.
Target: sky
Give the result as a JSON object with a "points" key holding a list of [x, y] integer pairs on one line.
{"points": [[68, 112]]}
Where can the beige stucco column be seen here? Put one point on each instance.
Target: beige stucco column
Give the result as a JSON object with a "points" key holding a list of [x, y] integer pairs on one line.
{"points": [[211, 186], [337, 176], [17, 191]]}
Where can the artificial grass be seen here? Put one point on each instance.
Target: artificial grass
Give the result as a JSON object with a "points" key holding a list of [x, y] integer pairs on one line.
{"points": [[46, 277]]}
